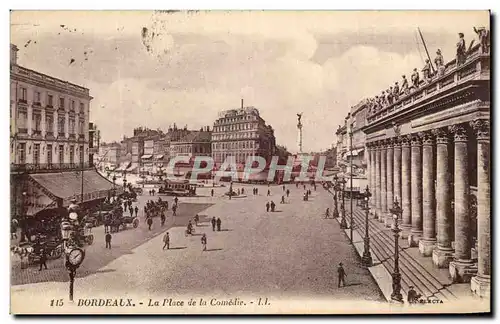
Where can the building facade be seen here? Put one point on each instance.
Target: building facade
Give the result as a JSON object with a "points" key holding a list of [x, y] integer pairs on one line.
{"points": [[196, 143], [430, 150], [242, 133], [49, 142]]}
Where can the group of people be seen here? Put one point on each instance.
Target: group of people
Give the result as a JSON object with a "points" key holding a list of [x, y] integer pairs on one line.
{"points": [[396, 92]]}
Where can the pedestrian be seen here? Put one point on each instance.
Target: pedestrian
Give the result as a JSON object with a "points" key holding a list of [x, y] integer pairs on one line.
{"points": [[176, 200], [107, 238], [268, 192], [150, 222], [43, 259], [327, 213], [131, 212], [267, 206], [204, 242], [162, 218], [296, 184], [166, 205], [136, 211], [304, 187], [166, 240], [282, 199], [413, 297], [212, 192], [174, 210], [218, 224], [273, 206], [287, 193], [283, 187], [341, 275], [213, 223], [242, 191], [238, 191]]}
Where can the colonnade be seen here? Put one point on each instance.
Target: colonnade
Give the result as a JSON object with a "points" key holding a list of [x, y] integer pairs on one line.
{"points": [[416, 170]]}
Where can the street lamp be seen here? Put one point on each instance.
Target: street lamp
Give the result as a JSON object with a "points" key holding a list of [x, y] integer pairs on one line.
{"points": [[350, 194], [70, 232], [367, 257], [343, 223], [336, 189], [396, 212]]}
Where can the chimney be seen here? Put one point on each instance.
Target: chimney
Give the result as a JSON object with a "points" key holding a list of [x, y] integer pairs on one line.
{"points": [[241, 103]]}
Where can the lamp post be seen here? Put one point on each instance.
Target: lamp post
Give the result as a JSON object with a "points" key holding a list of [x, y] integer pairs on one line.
{"points": [[343, 222], [336, 190], [367, 257], [396, 212], [70, 232]]}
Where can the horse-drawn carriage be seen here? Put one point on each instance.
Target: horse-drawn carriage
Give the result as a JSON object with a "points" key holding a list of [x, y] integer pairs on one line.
{"points": [[30, 252], [116, 220]]}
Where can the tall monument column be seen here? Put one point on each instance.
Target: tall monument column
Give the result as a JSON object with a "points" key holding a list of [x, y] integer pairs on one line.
{"points": [[461, 265], [406, 185], [480, 285], [427, 243], [390, 185], [443, 253], [299, 128]]}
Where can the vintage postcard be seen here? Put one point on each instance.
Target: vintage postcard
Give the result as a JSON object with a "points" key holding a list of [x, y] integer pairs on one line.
{"points": [[250, 162]]}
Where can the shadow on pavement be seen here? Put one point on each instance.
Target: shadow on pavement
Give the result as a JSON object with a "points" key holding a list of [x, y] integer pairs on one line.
{"points": [[178, 248], [209, 250]]}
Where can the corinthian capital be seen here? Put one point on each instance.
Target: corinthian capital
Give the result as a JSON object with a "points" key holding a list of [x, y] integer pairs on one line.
{"points": [[459, 133], [427, 138], [482, 128], [442, 135]]}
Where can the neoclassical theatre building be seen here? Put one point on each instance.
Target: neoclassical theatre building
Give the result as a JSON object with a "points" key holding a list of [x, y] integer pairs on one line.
{"points": [[430, 150]]}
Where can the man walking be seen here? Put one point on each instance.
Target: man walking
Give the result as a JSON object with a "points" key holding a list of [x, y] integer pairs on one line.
{"points": [[283, 187], [218, 224], [150, 223], [267, 206], [212, 192], [43, 259], [413, 297], [327, 213], [166, 240], [341, 275], [273, 206], [204, 242], [174, 210], [162, 218], [107, 238], [287, 193], [213, 223], [268, 192], [282, 199], [136, 211]]}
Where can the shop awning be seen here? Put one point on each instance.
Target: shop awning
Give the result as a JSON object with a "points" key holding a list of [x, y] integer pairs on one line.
{"points": [[123, 166], [68, 185], [146, 156], [159, 157], [354, 152]]}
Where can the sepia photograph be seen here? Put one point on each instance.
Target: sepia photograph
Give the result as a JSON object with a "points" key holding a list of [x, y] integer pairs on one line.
{"points": [[250, 162]]}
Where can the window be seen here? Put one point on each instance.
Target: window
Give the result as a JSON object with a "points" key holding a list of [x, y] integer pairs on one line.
{"points": [[37, 97], [72, 125], [50, 100], [81, 154], [61, 154], [37, 122], [49, 154], [21, 153], [72, 154], [82, 108], [73, 105], [61, 102], [36, 154], [22, 121], [49, 122], [60, 125], [24, 94], [81, 126]]}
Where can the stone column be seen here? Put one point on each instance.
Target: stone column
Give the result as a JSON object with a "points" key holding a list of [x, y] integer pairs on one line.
{"points": [[397, 170], [480, 284], [405, 185], [390, 186], [378, 196], [371, 177], [443, 253], [428, 242], [461, 265], [383, 182], [416, 191]]}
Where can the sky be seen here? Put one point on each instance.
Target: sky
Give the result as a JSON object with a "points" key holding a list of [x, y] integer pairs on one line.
{"points": [[154, 69]]}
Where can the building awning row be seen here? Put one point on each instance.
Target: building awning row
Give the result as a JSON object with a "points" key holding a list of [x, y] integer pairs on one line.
{"points": [[65, 186], [146, 156], [159, 157]]}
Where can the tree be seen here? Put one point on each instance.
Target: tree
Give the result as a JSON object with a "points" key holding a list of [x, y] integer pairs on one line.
{"points": [[282, 153]]}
